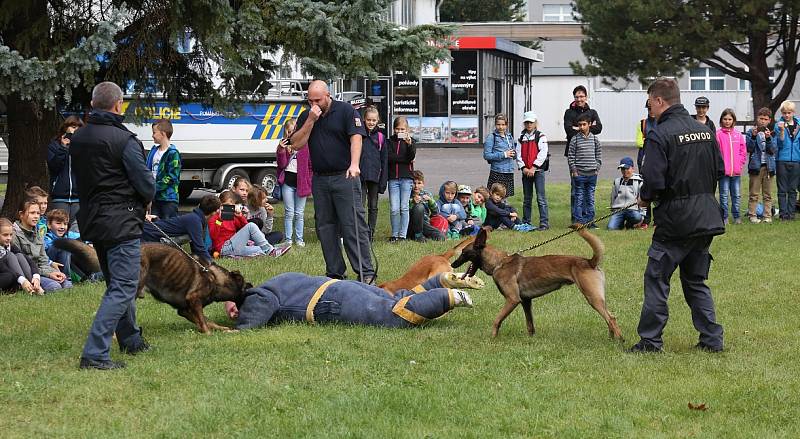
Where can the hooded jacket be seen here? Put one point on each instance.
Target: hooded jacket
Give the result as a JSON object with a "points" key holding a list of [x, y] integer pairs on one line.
{"points": [[789, 143], [447, 208], [571, 120], [168, 176], [759, 144], [734, 150], [62, 180]]}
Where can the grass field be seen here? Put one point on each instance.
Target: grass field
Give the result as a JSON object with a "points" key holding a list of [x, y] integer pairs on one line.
{"points": [[447, 379]]}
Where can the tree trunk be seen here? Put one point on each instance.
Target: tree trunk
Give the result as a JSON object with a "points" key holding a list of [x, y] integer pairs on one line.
{"points": [[30, 128]]}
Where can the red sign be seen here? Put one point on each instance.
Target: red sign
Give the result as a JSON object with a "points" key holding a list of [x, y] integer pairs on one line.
{"points": [[474, 43]]}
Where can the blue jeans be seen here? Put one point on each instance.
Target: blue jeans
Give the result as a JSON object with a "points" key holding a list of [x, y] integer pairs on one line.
{"points": [[237, 245], [399, 194], [294, 207], [164, 209], [583, 210], [732, 185], [117, 312], [528, 184], [788, 176], [625, 219]]}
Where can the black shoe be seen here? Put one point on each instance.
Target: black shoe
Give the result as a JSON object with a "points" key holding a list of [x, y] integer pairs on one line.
{"points": [[643, 348], [706, 348], [88, 363], [143, 346], [542, 227], [421, 239], [393, 239], [592, 226]]}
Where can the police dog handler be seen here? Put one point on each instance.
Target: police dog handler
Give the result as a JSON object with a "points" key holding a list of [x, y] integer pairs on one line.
{"points": [[681, 167], [300, 297], [114, 187], [333, 131]]}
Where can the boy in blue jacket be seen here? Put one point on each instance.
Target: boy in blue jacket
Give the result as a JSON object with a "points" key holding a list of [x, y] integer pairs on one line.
{"points": [[787, 132], [761, 165], [165, 162]]}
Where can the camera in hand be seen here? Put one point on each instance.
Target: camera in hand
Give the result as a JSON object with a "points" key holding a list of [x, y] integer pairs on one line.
{"points": [[762, 129], [68, 135], [227, 212]]}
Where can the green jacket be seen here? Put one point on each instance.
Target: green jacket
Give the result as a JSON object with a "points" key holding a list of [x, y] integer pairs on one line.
{"points": [[32, 245]]}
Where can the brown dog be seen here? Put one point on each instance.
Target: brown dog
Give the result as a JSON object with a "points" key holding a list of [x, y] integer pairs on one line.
{"points": [[426, 268], [521, 279], [174, 278]]}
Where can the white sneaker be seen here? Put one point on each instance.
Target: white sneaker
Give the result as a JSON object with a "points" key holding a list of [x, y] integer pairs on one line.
{"points": [[300, 243], [767, 220], [462, 298], [454, 280], [754, 220]]}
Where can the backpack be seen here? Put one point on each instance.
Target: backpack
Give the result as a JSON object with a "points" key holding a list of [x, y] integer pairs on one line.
{"points": [[536, 135]]}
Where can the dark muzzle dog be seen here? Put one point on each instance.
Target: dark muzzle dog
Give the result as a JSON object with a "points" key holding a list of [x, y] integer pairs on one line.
{"points": [[520, 279]]}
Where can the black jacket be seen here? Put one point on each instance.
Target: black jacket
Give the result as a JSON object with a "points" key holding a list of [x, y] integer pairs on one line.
{"points": [[62, 179], [681, 166], [114, 184], [401, 157], [375, 160], [709, 123], [571, 120]]}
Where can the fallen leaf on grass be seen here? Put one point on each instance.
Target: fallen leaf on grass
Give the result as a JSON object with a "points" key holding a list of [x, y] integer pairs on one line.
{"points": [[702, 407]]}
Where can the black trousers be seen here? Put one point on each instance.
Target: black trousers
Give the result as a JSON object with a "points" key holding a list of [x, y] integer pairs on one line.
{"points": [[419, 226], [694, 260], [369, 197], [337, 209]]}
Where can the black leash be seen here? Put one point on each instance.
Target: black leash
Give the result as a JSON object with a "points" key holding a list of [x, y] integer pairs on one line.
{"points": [[179, 247], [581, 227]]}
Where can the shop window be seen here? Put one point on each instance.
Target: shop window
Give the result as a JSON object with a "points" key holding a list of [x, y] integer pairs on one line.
{"points": [[435, 94], [706, 78], [561, 13]]}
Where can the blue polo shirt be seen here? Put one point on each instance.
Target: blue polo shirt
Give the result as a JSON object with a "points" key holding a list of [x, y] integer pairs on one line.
{"points": [[329, 142]]}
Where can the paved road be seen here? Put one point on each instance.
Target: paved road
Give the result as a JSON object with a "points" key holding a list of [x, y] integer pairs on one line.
{"points": [[467, 166]]}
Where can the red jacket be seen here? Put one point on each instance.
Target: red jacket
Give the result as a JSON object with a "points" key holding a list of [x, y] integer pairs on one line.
{"points": [[529, 148], [222, 231]]}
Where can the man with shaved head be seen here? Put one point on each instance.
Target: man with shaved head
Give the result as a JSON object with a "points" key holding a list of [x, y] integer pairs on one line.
{"points": [[333, 132]]}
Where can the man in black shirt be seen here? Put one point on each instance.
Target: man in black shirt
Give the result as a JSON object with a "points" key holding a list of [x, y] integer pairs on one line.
{"points": [[681, 166], [333, 130]]}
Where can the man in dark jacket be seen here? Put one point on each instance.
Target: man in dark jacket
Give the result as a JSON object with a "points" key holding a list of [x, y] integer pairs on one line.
{"points": [[114, 187], [681, 166], [194, 225]]}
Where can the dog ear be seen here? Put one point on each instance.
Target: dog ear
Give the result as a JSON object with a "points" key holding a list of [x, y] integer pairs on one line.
{"points": [[480, 240]]}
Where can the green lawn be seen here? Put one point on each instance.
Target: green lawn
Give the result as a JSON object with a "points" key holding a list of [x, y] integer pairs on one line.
{"points": [[448, 379]]}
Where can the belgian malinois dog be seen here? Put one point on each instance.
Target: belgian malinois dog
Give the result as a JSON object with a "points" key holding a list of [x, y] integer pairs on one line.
{"points": [[175, 278], [520, 279], [425, 268]]}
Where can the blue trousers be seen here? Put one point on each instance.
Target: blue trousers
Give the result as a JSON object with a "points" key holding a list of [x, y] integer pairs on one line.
{"points": [[583, 208], [117, 312], [399, 193], [528, 185], [730, 188], [664, 258], [625, 219], [164, 209]]}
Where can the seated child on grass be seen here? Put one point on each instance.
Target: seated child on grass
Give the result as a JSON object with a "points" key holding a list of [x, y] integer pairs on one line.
{"points": [[479, 203], [499, 213], [58, 228], [422, 207], [16, 269], [28, 240], [259, 211], [451, 209], [231, 236], [473, 222]]}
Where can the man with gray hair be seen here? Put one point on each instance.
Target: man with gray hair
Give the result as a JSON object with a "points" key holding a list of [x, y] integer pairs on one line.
{"points": [[114, 188]]}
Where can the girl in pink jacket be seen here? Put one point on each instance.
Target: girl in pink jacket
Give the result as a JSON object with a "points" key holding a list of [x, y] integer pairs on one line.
{"points": [[734, 152]]}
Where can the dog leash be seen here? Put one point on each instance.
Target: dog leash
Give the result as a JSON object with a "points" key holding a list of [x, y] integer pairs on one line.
{"points": [[179, 247], [583, 226]]}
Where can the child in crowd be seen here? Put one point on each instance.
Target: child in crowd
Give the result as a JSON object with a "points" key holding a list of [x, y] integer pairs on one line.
{"points": [[241, 186], [164, 161], [501, 151], [734, 154], [17, 270], [701, 105], [534, 161], [400, 178], [761, 166], [451, 209], [473, 222], [39, 196], [422, 208], [259, 211], [230, 236], [479, 203], [58, 224], [374, 166], [294, 176], [499, 213], [624, 192], [584, 157], [27, 239], [787, 136]]}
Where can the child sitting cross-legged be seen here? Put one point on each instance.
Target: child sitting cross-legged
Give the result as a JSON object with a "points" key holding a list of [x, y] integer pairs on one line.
{"points": [[422, 208], [231, 236], [16, 269], [28, 240], [451, 209], [499, 213]]}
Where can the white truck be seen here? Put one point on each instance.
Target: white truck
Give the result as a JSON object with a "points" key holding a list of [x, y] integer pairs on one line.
{"points": [[216, 147]]}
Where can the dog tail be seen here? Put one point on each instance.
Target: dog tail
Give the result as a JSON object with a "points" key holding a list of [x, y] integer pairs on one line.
{"points": [[85, 255], [596, 244], [456, 251]]}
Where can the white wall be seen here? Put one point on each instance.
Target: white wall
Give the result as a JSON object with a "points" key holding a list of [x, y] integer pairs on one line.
{"points": [[551, 97]]}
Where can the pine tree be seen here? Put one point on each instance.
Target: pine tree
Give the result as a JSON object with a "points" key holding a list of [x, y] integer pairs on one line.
{"points": [[650, 38], [53, 52]]}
